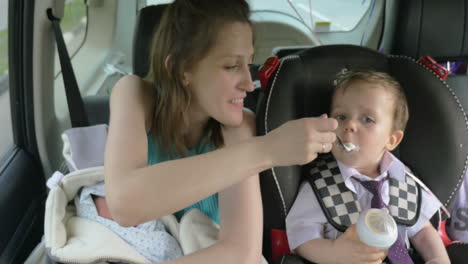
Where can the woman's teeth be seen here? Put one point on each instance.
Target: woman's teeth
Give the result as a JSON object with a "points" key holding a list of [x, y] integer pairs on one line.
{"points": [[237, 101]]}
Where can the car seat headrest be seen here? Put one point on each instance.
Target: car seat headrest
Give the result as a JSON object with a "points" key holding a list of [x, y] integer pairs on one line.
{"points": [[435, 145], [145, 27], [431, 27]]}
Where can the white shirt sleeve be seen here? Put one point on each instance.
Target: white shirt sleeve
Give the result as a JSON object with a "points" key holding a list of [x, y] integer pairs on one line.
{"points": [[306, 220], [429, 206]]}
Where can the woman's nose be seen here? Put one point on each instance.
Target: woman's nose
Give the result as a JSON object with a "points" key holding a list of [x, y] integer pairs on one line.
{"points": [[247, 83]]}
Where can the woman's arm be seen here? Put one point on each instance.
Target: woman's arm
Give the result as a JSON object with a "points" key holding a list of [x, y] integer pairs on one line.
{"points": [[240, 206], [240, 237], [241, 228], [428, 243], [131, 185]]}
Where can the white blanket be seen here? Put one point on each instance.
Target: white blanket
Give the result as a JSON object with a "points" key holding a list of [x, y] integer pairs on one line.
{"points": [[69, 238]]}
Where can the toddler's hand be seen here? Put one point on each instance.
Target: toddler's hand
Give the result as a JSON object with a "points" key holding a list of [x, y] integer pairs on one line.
{"points": [[349, 249]]}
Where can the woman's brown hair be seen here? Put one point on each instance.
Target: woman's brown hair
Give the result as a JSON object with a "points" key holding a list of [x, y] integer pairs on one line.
{"points": [[188, 30]]}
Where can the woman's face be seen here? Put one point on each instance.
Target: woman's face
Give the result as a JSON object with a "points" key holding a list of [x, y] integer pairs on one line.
{"points": [[220, 81]]}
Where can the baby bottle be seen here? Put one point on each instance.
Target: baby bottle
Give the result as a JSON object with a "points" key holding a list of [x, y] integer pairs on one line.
{"points": [[376, 228]]}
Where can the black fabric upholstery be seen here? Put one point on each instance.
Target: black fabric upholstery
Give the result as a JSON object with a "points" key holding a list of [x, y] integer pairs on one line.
{"points": [[147, 22], [97, 109], [432, 27], [435, 143], [459, 84], [289, 259], [458, 253]]}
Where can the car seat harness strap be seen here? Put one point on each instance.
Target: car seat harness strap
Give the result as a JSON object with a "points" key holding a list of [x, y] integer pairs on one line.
{"points": [[341, 206]]}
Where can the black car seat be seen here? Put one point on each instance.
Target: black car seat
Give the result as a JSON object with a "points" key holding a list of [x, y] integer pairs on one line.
{"points": [[147, 22], [431, 27], [438, 29], [435, 28], [97, 107], [435, 140]]}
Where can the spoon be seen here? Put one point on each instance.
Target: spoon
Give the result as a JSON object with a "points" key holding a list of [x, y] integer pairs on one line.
{"points": [[347, 146]]}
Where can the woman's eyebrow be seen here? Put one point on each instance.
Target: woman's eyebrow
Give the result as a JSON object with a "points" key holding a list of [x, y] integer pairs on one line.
{"points": [[236, 55]]}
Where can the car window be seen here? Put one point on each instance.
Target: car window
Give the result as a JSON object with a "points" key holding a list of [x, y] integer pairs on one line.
{"points": [[320, 15], [74, 25], [6, 133]]}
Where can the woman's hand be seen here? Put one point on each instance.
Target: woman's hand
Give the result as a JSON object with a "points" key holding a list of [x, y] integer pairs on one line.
{"points": [[298, 142]]}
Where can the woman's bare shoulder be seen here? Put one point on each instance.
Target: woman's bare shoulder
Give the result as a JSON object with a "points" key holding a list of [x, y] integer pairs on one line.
{"points": [[133, 86], [133, 94]]}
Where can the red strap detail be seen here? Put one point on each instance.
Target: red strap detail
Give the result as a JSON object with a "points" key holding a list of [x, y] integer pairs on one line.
{"points": [[442, 230], [279, 244], [438, 69], [267, 70]]}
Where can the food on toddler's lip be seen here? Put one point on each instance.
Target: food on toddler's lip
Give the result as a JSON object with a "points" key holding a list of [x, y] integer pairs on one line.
{"points": [[349, 146]]}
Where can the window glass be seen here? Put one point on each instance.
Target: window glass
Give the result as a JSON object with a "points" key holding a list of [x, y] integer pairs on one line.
{"points": [[158, 2], [6, 135], [73, 26], [319, 15]]}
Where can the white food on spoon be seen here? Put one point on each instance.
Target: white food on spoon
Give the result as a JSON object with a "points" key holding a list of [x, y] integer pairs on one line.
{"points": [[347, 146]]}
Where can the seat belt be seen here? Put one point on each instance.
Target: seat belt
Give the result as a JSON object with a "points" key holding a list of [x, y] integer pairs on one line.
{"points": [[78, 116]]}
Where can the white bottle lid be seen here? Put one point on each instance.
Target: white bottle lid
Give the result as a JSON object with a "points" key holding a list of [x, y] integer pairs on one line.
{"points": [[377, 228]]}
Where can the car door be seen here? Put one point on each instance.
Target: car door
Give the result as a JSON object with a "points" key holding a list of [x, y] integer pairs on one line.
{"points": [[22, 182]]}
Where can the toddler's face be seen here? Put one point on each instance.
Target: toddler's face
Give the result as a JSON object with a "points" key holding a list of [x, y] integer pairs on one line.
{"points": [[364, 112]]}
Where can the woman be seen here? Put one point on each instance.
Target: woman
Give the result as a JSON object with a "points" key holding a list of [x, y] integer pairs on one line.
{"points": [[180, 138]]}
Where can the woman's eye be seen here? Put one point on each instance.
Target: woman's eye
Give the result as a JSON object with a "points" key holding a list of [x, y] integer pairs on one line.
{"points": [[231, 67]]}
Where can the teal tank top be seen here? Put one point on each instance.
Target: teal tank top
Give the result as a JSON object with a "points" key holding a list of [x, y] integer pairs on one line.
{"points": [[209, 205]]}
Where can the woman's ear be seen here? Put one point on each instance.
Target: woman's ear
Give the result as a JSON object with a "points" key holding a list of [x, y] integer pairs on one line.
{"points": [[394, 139], [167, 62], [168, 65], [185, 78]]}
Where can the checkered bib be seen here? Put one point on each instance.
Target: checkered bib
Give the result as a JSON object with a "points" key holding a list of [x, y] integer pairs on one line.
{"points": [[340, 204]]}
